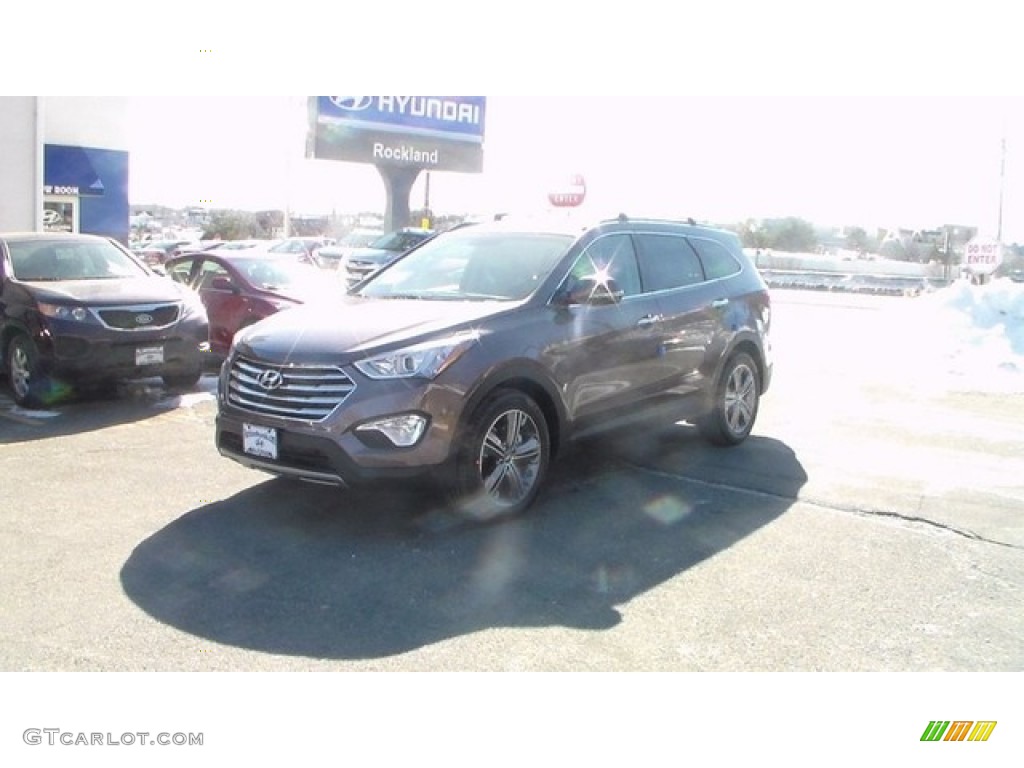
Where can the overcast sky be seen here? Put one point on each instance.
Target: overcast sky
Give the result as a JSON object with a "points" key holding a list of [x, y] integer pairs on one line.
{"points": [[898, 116]]}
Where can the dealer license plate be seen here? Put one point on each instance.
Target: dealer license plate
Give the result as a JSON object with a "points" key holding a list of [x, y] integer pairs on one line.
{"points": [[259, 441], [149, 355]]}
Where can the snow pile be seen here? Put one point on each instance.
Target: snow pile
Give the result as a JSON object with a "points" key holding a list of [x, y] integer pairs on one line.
{"points": [[963, 338]]}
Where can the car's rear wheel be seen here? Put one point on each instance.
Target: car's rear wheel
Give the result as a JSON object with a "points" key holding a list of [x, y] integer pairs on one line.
{"points": [[503, 457], [27, 381], [736, 401]]}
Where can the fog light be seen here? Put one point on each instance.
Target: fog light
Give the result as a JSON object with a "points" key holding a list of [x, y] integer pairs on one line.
{"points": [[402, 431]]}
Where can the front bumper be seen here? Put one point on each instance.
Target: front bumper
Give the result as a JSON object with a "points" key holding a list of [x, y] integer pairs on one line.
{"points": [[67, 350], [309, 457], [330, 450]]}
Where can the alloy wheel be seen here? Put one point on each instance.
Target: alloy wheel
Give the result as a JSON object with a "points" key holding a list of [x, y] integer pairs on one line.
{"points": [[20, 371], [510, 457], [740, 402]]}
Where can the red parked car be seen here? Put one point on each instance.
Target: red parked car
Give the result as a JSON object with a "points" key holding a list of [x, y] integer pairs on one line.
{"points": [[239, 288]]}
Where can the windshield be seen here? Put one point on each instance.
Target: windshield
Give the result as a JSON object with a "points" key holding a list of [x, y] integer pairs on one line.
{"points": [[52, 260], [238, 245], [358, 239], [472, 265], [398, 241]]}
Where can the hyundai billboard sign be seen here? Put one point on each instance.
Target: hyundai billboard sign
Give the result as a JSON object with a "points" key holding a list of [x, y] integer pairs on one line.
{"points": [[444, 133]]}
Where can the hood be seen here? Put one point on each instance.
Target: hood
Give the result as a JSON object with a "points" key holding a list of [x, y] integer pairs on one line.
{"points": [[336, 250], [111, 292], [354, 327]]}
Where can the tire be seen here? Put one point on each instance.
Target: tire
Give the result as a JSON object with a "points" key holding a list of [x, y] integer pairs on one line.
{"points": [[27, 382], [736, 400], [186, 380], [503, 457]]}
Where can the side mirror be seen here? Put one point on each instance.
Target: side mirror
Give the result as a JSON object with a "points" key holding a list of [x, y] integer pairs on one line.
{"points": [[591, 291]]}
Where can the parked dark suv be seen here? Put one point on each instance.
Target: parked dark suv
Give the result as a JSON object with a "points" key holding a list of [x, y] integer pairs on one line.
{"points": [[475, 356], [79, 308]]}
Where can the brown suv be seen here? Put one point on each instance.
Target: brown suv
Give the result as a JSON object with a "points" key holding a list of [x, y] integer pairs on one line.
{"points": [[475, 356]]}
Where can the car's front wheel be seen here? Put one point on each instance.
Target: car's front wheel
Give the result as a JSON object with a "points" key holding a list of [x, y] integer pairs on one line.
{"points": [[26, 379], [735, 404], [503, 457]]}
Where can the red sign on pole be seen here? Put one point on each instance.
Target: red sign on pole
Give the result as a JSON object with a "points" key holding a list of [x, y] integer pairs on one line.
{"points": [[571, 194]]}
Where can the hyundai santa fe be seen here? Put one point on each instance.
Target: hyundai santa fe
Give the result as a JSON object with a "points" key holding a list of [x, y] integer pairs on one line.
{"points": [[478, 355]]}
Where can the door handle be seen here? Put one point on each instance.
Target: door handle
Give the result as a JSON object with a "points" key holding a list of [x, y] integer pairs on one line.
{"points": [[719, 303], [647, 320]]}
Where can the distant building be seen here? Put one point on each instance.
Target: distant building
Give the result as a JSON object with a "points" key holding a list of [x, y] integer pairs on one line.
{"points": [[944, 244]]}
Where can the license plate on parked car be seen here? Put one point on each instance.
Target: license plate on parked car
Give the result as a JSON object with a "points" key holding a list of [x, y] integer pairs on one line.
{"points": [[149, 355], [259, 441]]}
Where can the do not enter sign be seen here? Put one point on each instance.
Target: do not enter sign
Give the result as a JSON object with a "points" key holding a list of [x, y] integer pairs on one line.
{"points": [[983, 257], [568, 194]]}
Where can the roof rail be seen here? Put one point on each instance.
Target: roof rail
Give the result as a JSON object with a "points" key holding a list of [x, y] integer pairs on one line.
{"points": [[622, 218]]}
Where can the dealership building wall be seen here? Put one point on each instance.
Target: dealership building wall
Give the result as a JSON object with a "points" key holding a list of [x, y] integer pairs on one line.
{"points": [[64, 164]]}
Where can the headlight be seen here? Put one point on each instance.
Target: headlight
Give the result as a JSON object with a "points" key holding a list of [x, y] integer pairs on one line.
{"points": [[61, 312], [423, 360]]}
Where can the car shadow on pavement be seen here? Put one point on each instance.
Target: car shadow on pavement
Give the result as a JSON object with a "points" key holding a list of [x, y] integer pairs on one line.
{"points": [[296, 569], [90, 409]]}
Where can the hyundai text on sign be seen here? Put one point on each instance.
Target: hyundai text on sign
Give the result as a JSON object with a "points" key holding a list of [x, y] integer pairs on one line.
{"points": [[432, 132]]}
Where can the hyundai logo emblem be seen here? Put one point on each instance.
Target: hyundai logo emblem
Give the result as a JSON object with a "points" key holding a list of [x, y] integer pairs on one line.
{"points": [[352, 103], [143, 319], [51, 217], [270, 380]]}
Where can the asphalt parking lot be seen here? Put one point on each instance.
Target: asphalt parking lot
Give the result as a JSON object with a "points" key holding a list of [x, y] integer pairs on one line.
{"points": [[869, 523]]}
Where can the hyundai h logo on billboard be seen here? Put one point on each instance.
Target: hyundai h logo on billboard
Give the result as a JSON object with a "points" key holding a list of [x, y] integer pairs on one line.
{"points": [[430, 132]]}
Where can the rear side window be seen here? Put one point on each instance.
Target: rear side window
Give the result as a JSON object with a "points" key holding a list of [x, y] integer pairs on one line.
{"points": [[715, 257], [208, 272], [181, 271], [666, 262]]}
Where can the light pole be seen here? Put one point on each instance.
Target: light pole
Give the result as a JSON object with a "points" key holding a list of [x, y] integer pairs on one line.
{"points": [[427, 215]]}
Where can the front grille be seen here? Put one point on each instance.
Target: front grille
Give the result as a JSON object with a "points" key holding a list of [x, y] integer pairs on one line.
{"points": [[307, 392], [140, 318]]}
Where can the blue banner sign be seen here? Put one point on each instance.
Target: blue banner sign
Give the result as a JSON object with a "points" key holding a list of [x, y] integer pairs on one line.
{"points": [[452, 117], [98, 178], [431, 132]]}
